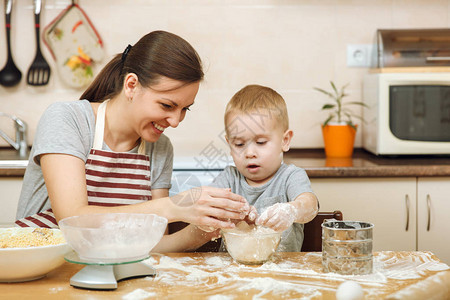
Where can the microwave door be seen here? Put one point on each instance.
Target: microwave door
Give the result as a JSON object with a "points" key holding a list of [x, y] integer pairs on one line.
{"points": [[420, 112]]}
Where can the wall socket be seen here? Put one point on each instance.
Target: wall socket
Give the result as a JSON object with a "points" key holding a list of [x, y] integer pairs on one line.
{"points": [[359, 55]]}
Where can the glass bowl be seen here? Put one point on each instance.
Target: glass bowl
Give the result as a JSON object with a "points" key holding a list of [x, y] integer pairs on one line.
{"points": [[113, 237], [251, 246]]}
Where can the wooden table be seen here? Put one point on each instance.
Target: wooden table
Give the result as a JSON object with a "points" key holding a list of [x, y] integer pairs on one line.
{"points": [[405, 275]]}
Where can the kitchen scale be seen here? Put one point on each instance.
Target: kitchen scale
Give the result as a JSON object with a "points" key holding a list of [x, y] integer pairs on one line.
{"points": [[104, 276]]}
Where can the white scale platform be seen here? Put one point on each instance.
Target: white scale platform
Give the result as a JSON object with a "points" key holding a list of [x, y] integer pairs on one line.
{"points": [[104, 276]]}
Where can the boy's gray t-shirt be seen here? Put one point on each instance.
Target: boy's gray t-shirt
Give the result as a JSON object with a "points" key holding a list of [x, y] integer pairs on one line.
{"points": [[69, 128], [287, 183]]}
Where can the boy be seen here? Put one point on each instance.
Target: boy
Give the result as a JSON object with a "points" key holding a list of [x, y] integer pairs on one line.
{"points": [[257, 131]]}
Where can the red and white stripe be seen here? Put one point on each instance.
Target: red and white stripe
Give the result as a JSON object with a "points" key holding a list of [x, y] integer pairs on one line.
{"points": [[44, 219], [117, 178], [112, 178]]}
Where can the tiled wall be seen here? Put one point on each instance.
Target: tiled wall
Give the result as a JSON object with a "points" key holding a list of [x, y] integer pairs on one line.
{"points": [[289, 45]]}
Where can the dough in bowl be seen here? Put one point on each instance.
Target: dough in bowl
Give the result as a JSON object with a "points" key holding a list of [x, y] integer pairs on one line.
{"points": [[251, 244]]}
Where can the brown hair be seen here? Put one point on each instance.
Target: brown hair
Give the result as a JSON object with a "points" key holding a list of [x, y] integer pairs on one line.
{"points": [[254, 98], [158, 53]]}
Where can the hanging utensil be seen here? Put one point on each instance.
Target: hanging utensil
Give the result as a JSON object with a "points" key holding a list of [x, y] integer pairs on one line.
{"points": [[39, 71], [10, 75]]}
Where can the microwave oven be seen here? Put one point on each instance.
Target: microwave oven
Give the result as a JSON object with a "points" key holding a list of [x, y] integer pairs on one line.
{"points": [[407, 113]]}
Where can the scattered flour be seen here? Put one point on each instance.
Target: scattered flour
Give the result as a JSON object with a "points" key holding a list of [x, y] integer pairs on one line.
{"points": [[220, 274], [138, 294], [217, 261], [268, 285], [56, 290], [409, 267], [220, 297]]}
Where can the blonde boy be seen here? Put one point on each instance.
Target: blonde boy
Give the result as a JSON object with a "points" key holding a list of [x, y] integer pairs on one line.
{"points": [[257, 131]]}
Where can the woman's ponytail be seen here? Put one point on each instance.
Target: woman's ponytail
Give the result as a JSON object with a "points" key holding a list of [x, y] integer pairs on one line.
{"points": [[108, 82]]}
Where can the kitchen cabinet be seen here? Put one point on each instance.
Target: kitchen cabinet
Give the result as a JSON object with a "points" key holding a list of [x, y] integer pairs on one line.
{"points": [[10, 188], [433, 203], [388, 203], [409, 213]]}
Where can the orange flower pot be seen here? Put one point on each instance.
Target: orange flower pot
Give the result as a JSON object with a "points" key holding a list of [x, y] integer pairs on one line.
{"points": [[339, 140]]}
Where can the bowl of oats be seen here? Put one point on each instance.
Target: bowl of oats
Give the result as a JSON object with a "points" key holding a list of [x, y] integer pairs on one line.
{"points": [[30, 253]]}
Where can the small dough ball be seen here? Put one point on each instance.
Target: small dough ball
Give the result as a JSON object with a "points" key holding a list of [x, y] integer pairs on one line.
{"points": [[350, 290], [244, 226], [206, 228]]}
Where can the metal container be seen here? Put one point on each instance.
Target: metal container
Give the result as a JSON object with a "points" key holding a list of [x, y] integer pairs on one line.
{"points": [[413, 47], [347, 247]]}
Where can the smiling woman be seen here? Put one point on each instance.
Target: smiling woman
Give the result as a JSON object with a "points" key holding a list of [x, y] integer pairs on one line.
{"points": [[107, 153]]}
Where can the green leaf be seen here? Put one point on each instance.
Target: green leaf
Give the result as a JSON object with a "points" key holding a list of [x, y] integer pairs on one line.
{"points": [[356, 103], [349, 123], [334, 88], [348, 114], [359, 118], [337, 110], [328, 120], [344, 87], [328, 106], [325, 92]]}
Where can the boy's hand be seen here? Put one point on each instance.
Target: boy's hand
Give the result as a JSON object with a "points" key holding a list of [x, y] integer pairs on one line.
{"points": [[278, 216]]}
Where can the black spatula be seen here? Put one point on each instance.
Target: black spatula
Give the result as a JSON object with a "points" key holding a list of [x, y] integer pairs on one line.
{"points": [[39, 71]]}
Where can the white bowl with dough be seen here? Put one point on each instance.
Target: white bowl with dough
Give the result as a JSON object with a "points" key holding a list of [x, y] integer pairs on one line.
{"points": [[251, 244], [113, 237], [30, 253]]}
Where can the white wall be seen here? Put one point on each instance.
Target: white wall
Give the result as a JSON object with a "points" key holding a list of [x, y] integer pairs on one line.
{"points": [[290, 45]]}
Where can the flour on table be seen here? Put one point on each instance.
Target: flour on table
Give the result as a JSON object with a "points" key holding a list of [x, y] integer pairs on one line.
{"points": [[220, 297], [410, 267], [217, 261], [222, 275], [138, 294], [269, 285], [56, 290]]}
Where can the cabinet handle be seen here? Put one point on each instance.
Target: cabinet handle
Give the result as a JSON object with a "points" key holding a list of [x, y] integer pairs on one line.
{"points": [[429, 211], [407, 212], [437, 58]]}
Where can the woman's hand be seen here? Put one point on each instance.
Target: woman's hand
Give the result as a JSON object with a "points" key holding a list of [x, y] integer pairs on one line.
{"points": [[186, 239], [252, 215], [210, 207], [249, 219], [279, 216]]}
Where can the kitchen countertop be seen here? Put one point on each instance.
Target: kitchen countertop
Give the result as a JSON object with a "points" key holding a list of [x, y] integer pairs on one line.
{"points": [[362, 164], [11, 163], [365, 164], [397, 275]]}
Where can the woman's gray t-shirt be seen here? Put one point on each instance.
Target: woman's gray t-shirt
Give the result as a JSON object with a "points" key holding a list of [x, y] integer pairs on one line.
{"points": [[287, 183], [69, 128]]}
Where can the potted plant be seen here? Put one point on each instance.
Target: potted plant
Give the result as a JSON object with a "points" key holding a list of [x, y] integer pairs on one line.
{"points": [[338, 129]]}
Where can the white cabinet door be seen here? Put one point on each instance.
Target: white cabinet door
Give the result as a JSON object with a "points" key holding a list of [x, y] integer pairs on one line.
{"points": [[433, 203], [10, 188], [388, 203]]}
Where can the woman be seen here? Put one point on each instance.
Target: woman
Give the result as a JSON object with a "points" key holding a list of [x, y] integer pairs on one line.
{"points": [[107, 152]]}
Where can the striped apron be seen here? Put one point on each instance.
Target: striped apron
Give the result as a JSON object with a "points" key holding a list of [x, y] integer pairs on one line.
{"points": [[112, 178]]}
